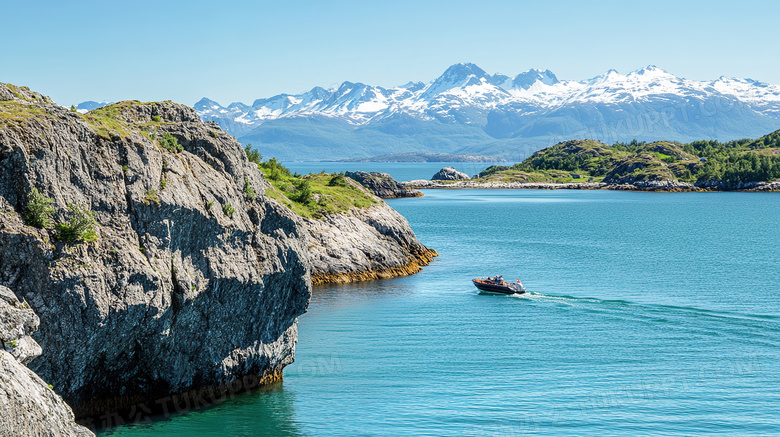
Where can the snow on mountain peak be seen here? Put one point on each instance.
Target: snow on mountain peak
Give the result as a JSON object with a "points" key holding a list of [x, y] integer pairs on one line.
{"points": [[526, 79], [465, 91], [463, 70], [651, 71], [456, 76]]}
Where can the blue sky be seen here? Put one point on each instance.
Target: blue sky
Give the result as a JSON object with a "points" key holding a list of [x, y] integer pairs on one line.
{"points": [[241, 50]]}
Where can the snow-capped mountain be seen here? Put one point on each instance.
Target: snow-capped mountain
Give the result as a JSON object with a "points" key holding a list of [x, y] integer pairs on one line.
{"points": [[85, 107], [467, 110]]}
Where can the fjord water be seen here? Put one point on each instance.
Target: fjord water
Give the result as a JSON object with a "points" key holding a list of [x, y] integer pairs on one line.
{"points": [[648, 314]]}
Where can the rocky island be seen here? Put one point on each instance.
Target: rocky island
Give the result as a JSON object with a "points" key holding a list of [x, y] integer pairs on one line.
{"points": [[748, 165], [382, 184], [163, 262]]}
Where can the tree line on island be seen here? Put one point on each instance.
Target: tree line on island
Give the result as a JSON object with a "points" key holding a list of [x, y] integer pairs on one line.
{"points": [[700, 162]]}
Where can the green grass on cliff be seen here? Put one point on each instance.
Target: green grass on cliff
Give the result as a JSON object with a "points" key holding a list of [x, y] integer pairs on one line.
{"points": [[313, 195], [115, 120], [325, 199], [107, 121], [16, 111]]}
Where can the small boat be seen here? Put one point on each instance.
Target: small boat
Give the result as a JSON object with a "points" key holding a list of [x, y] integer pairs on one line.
{"points": [[494, 285]]}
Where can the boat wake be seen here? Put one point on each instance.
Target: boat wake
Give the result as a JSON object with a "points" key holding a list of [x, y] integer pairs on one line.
{"points": [[761, 327]]}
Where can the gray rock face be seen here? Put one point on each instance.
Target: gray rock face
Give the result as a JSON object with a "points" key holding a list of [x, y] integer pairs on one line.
{"points": [[364, 244], [17, 323], [450, 174], [11, 92], [178, 292], [28, 407], [382, 184]]}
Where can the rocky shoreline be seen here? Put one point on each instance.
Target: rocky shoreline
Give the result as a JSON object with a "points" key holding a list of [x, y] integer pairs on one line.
{"points": [[661, 186], [415, 265], [364, 244]]}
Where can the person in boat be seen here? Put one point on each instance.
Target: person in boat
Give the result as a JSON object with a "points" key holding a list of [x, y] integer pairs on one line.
{"points": [[500, 280]]}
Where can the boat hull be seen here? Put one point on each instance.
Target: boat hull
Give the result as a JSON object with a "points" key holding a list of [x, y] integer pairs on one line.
{"points": [[493, 288]]}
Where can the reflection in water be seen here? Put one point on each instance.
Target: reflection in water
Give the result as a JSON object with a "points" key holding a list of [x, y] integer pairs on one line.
{"points": [[347, 294], [265, 412]]}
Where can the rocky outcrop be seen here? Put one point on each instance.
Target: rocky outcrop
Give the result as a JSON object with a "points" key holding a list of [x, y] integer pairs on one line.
{"points": [[450, 174], [28, 406], [364, 244], [17, 323], [770, 186], [192, 283], [382, 184]]}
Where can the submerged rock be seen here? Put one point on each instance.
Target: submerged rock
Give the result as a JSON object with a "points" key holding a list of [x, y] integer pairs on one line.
{"points": [[450, 174]]}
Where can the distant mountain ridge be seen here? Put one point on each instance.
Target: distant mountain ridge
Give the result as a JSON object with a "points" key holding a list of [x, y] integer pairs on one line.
{"points": [[468, 111]]}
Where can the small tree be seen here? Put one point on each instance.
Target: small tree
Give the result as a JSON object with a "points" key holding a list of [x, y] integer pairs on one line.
{"points": [[39, 209], [303, 189], [252, 155], [80, 227], [170, 143], [338, 180]]}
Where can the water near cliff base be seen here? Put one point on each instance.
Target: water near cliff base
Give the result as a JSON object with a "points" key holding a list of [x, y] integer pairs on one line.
{"points": [[648, 314]]}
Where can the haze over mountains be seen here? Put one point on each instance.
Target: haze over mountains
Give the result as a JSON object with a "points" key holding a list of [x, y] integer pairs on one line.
{"points": [[468, 111]]}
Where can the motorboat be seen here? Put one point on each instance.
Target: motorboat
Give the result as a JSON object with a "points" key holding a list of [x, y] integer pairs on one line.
{"points": [[498, 285]]}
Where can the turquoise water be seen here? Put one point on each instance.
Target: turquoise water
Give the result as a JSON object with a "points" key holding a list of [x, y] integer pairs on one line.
{"points": [[648, 314]]}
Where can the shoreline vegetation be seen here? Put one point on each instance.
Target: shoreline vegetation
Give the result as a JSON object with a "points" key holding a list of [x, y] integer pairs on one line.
{"points": [[661, 186], [740, 165], [326, 202]]}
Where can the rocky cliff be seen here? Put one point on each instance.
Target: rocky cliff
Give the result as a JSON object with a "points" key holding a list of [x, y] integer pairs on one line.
{"points": [[157, 261], [28, 406], [191, 283]]}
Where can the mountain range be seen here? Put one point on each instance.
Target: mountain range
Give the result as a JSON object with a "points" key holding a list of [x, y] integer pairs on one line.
{"points": [[468, 111]]}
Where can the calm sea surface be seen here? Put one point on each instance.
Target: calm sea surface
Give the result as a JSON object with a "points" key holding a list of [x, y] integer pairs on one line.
{"points": [[648, 314]]}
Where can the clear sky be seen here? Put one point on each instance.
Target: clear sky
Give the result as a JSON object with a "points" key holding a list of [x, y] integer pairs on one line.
{"points": [[236, 50]]}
